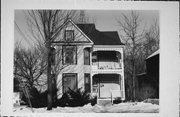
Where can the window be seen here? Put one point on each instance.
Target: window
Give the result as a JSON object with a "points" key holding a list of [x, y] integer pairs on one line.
{"points": [[87, 56], [69, 81], [94, 58], [87, 82], [69, 35], [69, 55], [53, 56]]}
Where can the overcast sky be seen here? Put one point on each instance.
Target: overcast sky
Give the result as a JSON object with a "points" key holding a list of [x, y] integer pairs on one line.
{"points": [[105, 20]]}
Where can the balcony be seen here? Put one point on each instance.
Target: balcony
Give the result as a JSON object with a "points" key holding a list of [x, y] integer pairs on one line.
{"points": [[106, 60], [102, 65]]}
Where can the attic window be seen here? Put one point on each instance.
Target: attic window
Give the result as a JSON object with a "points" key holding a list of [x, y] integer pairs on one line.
{"points": [[69, 35]]}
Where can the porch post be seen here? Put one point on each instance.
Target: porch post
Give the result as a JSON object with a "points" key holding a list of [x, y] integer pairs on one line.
{"points": [[91, 82], [123, 86], [120, 81], [120, 84], [91, 74]]}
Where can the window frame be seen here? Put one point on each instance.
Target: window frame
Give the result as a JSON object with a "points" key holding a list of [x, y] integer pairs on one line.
{"points": [[88, 61], [63, 76], [63, 55], [53, 56], [65, 35], [89, 84]]}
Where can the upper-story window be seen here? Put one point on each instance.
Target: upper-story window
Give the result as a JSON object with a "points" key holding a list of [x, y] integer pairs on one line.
{"points": [[69, 35], [69, 55], [53, 55], [94, 58], [87, 56]]}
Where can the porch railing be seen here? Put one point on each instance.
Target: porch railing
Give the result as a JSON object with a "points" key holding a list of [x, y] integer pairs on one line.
{"points": [[106, 65]]}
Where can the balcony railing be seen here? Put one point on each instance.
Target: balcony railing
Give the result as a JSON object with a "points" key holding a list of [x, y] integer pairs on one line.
{"points": [[106, 65]]}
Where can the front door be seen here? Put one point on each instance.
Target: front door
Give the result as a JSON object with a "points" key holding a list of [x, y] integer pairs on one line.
{"points": [[105, 89], [108, 83]]}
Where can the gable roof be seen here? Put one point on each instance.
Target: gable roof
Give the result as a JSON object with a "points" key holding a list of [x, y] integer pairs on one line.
{"points": [[67, 21], [100, 38]]}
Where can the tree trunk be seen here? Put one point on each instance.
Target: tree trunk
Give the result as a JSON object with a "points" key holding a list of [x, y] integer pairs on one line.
{"points": [[31, 83], [134, 87], [49, 79], [54, 90], [134, 70], [31, 78]]}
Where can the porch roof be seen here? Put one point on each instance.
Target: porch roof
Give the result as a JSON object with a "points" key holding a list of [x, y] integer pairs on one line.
{"points": [[107, 49]]}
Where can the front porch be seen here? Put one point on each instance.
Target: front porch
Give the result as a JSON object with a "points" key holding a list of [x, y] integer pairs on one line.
{"points": [[107, 86]]}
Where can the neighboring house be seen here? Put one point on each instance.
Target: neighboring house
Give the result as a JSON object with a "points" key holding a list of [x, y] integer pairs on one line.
{"points": [[148, 83], [91, 60]]}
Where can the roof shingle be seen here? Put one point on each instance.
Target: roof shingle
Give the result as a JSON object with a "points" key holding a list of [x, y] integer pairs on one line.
{"points": [[100, 38]]}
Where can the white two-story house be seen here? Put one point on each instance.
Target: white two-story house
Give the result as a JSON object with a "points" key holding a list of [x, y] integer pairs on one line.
{"points": [[91, 60]]}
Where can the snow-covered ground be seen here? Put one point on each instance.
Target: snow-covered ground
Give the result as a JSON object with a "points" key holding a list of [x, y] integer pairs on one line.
{"points": [[128, 107]]}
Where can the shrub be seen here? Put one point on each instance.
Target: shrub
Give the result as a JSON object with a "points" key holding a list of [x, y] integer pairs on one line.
{"points": [[152, 101], [74, 98], [93, 100], [117, 101], [38, 99], [146, 92]]}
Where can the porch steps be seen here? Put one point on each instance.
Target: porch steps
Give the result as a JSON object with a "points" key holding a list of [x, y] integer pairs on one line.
{"points": [[104, 102]]}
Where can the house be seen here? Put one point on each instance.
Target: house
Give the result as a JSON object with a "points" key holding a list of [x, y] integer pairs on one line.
{"points": [[148, 83], [91, 60]]}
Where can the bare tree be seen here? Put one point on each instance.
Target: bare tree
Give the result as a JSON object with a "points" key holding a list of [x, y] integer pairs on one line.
{"points": [[152, 38], [140, 43], [149, 45], [29, 65], [132, 35], [83, 18], [45, 26]]}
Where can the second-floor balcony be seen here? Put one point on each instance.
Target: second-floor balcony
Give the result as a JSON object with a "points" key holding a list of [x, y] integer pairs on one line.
{"points": [[106, 60], [106, 65]]}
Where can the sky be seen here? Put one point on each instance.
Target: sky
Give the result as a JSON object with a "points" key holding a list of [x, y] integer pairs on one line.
{"points": [[105, 20]]}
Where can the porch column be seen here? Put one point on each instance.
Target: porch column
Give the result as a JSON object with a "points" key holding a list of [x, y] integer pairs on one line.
{"points": [[120, 85], [123, 86], [91, 75], [120, 82]]}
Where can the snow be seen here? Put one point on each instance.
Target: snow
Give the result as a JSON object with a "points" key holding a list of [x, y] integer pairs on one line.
{"points": [[128, 107]]}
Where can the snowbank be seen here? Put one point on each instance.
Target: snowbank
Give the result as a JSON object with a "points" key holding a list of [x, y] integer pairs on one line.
{"points": [[131, 107]]}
